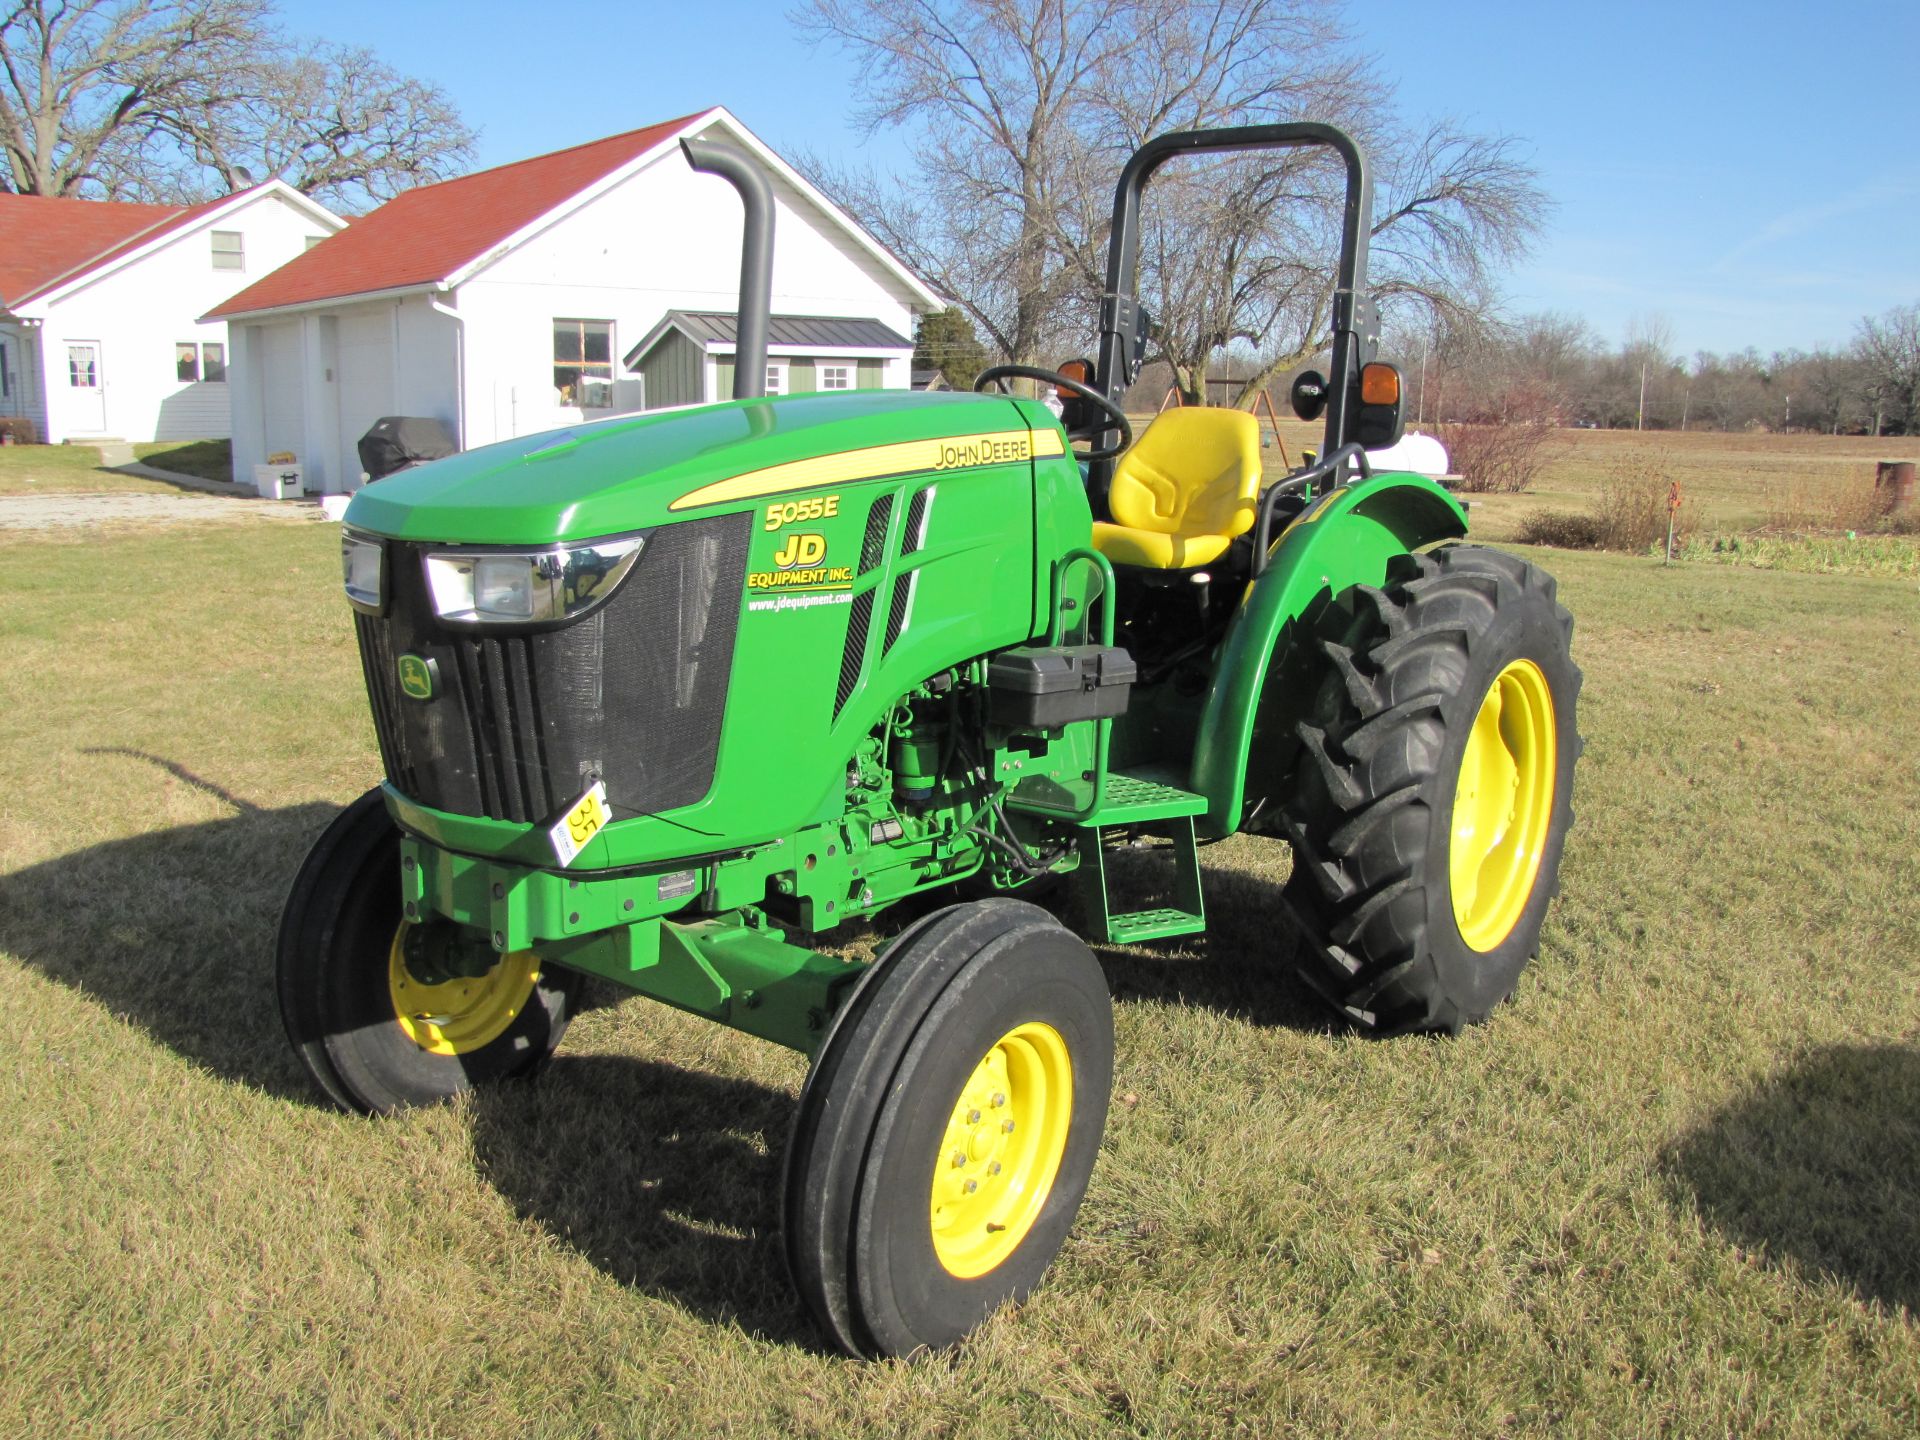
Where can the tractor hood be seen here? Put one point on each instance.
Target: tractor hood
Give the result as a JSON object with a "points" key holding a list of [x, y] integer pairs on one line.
{"points": [[619, 475]]}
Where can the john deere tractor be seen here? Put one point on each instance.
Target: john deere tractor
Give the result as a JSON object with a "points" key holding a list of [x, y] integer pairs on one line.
{"points": [[668, 699]]}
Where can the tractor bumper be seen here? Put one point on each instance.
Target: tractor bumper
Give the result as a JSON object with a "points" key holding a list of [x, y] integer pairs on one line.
{"points": [[727, 967]]}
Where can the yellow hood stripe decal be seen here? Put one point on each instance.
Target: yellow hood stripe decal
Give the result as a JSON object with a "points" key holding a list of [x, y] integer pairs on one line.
{"points": [[1000, 447]]}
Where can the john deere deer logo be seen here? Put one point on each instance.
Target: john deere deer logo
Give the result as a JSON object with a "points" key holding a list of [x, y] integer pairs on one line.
{"points": [[800, 550], [417, 677]]}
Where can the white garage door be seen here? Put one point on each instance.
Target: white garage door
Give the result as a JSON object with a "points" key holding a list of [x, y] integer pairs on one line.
{"points": [[365, 371], [277, 374]]}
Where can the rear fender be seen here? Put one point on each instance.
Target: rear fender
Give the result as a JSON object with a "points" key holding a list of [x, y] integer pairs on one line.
{"points": [[1343, 538]]}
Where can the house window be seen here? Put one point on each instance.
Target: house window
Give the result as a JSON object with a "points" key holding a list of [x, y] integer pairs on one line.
{"points": [[227, 251], [836, 377], [776, 377], [583, 363], [199, 362], [83, 367]]}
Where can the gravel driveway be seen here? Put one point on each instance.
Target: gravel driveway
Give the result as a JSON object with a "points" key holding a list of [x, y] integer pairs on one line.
{"points": [[64, 512]]}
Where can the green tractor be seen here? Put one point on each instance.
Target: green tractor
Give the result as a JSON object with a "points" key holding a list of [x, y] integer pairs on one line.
{"points": [[664, 699]]}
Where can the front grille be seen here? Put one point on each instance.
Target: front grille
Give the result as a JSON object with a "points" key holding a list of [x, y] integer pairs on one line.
{"points": [[520, 724]]}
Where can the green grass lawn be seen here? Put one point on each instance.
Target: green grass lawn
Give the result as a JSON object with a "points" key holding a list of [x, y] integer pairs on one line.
{"points": [[76, 469], [66, 470], [1670, 1189], [207, 459]]}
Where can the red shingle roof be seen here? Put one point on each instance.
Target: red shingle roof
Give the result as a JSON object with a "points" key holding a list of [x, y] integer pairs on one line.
{"points": [[428, 234], [44, 241]]}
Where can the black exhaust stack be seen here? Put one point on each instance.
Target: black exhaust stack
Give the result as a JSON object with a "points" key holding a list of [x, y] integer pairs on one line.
{"points": [[756, 258]]}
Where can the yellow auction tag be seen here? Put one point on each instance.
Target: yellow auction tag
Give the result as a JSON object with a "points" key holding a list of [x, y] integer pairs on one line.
{"points": [[580, 824]]}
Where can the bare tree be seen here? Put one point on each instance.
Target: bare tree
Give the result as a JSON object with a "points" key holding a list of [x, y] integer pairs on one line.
{"points": [[1024, 111], [1889, 346], [1003, 95], [1451, 207], [1650, 347], [185, 100], [80, 73]]}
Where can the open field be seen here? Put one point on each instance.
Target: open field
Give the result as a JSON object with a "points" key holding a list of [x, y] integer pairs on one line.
{"points": [[1670, 1189], [1734, 480]]}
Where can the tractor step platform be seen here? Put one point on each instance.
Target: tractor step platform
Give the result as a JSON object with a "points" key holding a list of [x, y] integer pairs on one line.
{"points": [[1131, 927], [1144, 805], [1136, 799]]}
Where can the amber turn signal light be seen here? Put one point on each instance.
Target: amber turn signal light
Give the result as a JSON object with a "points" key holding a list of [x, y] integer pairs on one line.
{"points": [[1379, 385]]}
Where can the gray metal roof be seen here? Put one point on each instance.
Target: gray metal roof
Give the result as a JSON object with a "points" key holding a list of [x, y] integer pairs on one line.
{"points": [[721, 327]]}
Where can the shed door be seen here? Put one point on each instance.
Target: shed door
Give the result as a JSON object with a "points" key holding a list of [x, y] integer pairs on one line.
{"points": [[365, 360], [86, 389]]}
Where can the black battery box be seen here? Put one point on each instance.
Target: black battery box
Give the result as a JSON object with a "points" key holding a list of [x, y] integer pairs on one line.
{"points": [[1042, 687]]}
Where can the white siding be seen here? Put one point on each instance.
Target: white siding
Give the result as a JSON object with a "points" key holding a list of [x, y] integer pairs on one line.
{"points": [[664, 239], [139, 312]]}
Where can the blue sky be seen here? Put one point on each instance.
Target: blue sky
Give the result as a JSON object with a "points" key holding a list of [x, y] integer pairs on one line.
{"points": [[1747, 172]]}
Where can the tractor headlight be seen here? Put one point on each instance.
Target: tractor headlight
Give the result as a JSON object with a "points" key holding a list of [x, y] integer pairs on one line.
{"points": [[360, 566], [483, 587]]}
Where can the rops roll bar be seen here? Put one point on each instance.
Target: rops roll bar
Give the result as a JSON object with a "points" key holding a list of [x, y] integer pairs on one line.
{"points": [[1355, 321]]}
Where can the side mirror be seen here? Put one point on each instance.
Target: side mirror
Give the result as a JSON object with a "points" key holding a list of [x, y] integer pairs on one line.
{"points": [[1377, 421], [1309, 394]]}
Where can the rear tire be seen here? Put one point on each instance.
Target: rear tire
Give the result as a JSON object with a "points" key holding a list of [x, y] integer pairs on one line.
{"points": [[1431, 794], [341, 993], [982, 1014]]}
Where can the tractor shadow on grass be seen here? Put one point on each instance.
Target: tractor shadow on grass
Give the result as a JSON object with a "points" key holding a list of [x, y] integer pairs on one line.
{"points": [[1820, 1166], [666, 1180], [1241, 967], [173, 931]]}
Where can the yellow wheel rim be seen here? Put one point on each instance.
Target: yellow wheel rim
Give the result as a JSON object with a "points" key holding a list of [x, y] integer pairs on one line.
{"points": [[1503, 805], [1002, 1149], [461, 1015]]}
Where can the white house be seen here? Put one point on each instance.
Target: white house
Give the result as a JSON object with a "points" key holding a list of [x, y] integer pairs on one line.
{"points": [[101, 306], [538, 295]]}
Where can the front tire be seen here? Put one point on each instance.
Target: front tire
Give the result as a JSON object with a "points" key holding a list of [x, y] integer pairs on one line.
{"points": [[373, 1035], [948, 1129], [1431, 795]]}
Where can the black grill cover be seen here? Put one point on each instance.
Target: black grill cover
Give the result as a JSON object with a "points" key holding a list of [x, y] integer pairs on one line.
{"points": [[398, 441]]}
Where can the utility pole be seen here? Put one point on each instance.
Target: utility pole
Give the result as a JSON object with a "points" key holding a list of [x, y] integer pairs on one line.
{"points": [[1640, 418], [1787, 424]]}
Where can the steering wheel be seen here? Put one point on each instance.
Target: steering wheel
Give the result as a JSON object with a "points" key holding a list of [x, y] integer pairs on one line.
{"points": [[1113, 412]]}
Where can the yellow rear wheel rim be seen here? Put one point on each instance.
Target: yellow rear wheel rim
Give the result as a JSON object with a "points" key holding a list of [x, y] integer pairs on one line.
{"points": [[1503, 805], [461, 1015], [1002, 1149]]}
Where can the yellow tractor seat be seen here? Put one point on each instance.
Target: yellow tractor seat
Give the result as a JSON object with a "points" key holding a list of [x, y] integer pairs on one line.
{"points": [[1190, 484]]}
